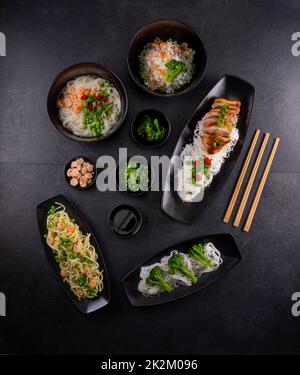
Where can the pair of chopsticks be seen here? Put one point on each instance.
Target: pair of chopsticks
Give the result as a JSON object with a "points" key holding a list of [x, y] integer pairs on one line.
{"points": [[249, 186]]}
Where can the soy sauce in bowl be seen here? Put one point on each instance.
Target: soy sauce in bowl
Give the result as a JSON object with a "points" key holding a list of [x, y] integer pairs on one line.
{"points": [[125, 221]]}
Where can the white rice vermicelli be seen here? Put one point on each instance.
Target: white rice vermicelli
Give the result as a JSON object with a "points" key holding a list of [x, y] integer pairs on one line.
{"points": [[196, 149], [73, 121], [178, 278]]}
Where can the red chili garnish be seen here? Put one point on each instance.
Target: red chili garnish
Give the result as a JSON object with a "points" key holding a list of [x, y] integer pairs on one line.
{"points": [[90, 106], [98, 97], [84, 97], [100, 104], [207, 161], [105, 98]]}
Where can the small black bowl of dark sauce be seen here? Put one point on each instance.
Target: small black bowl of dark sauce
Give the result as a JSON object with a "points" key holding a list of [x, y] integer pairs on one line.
{"points": [[125, 221]]}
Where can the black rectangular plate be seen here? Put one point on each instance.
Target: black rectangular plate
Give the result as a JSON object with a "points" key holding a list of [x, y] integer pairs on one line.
{"points": [[223, 242], [87, 305], [231, 88]]}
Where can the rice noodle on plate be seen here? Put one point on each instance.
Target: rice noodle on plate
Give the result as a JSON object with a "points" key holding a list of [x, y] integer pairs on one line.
{"points": [[196, 149], [178, 278]]}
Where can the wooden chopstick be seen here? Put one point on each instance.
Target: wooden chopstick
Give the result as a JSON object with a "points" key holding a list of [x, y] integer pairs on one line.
{"points": [[241, 209], [241, 178], [261, 186]]}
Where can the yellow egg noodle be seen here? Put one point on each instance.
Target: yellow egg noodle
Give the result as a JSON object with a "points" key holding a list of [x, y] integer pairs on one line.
{"points": [[74, 253]]}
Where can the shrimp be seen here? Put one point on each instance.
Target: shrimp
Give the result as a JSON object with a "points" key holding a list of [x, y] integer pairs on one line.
{"points": [[83, 182], [71, 228], [90, 167], [68, 102], [69, 172], [87, 92], [75, 172], [74, 182], [80, 92], [93, 283], [77, 107], [61, 225], [71, 89], [79, 293], [88, 176], [77, 247]]}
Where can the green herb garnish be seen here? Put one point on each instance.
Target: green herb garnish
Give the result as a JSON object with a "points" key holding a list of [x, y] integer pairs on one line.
{"points": [[91, 292], [51, 210], [217, 143], [65, 243], [81, 281], [206, 169], [95, 109], [136, 177], [223, 110]]}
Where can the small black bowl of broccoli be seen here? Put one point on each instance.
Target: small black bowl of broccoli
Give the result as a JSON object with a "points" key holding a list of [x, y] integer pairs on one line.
{"points": [[150, 128]]}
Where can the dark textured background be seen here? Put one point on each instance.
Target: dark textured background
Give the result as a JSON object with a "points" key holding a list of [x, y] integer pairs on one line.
{"points": [[248, 311]]}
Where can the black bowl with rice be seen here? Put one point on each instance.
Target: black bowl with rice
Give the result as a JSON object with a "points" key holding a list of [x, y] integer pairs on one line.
{"points": [[167, 58]]}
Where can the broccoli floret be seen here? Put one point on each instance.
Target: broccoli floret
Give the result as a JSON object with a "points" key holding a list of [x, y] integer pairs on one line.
{"points": [[197, 252], [151, 129], [156, 278], [176, 263], [174, 67]]}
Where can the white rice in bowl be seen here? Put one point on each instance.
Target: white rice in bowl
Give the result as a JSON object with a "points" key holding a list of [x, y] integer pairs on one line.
{"points": [[156, 62]]}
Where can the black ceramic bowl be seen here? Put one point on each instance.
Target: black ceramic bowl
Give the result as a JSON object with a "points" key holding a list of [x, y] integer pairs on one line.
{"points": [[68, 165], [166, 29], [138, 120], [125, 221], [121, 184], [78, 70]]}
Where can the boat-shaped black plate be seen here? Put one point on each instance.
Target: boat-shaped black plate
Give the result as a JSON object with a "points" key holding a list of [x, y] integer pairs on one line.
{"points": [[85, 305], [231, 88], [223, 242]]}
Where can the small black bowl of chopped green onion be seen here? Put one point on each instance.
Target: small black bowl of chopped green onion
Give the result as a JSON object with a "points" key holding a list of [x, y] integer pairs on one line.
{"points": [[150, 128], [134, 176]]}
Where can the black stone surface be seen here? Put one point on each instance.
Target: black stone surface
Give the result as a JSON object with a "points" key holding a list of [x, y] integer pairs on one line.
{"points": [[247, 311]]}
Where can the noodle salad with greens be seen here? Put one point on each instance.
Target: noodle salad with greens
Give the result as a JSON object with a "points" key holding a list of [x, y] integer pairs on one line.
{"points": [[74, 253]]}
